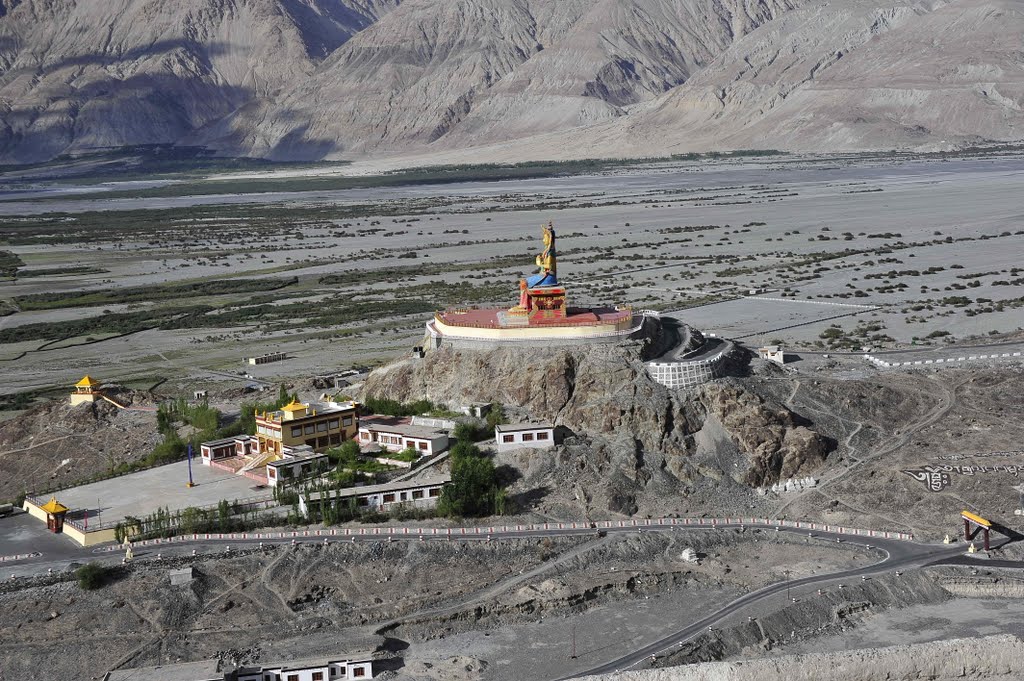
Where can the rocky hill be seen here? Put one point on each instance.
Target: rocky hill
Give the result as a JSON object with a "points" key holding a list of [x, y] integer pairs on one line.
{"points": [[631, 443], [507, 80], [57, 445]]}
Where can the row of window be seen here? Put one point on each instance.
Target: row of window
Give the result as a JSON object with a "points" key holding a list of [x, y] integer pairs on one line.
{"points": [[527, 437], [320, 427], [269, 432], [319, 676], [398, 497]]}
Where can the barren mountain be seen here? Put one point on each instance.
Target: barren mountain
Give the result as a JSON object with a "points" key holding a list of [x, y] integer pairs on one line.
{"points": [[455, 73], [98, 73], [827, 77], [508, 80]]}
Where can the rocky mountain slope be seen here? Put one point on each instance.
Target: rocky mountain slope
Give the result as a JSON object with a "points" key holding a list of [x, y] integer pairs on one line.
{"points": [[98, 73], [630, 442], [452, 74], [507, 80]]}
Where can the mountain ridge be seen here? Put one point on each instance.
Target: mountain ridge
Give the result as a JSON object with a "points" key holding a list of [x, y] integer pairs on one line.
{"points": [[508, 80]]}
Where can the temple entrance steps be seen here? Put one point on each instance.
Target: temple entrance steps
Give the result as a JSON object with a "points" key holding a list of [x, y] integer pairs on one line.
{"points": [[257, 461]]}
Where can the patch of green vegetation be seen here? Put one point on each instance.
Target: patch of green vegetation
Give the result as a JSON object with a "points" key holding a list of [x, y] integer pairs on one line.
{"points": [[413, 176], [9, 263], [395, 274], [139, 294], [92, 576], [474, 489], [59, 271], [329, 313], [377, 405]]}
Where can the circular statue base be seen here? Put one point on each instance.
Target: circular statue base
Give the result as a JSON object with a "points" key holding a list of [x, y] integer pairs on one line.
{"points": [[489, 327]]}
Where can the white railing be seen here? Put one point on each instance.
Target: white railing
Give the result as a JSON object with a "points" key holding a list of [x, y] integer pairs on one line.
{"points": [[422, 533]]}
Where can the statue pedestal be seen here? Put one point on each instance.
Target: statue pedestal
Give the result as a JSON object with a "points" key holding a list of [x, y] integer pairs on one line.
{"points": [[546, 303]]}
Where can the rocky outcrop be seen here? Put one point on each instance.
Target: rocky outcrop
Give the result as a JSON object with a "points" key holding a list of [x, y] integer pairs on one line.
{"points": [[778, 445], [630, 438]]}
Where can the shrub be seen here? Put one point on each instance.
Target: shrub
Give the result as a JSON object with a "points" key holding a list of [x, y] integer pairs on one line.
{"points": [[91, 576]]}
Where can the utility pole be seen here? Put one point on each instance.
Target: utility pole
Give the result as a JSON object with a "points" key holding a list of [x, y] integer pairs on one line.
{"points": [[573, 641], [786, 572]]}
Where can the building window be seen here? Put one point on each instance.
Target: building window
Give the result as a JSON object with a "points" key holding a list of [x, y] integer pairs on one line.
{"points": [[542, 435], [365, 436], [318, 676], [293, 677], [401, 496], [423, 446], [417, 494], [434, 492], [296, 431], [508, 438], [321, 427], [358, 671], [335, 439], [527, 437], [333, 424], [309, 429], [363, 501], [346, 421], [388, 498]]}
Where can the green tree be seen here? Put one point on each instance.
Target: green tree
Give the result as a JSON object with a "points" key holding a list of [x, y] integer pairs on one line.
{"points": [[474, 489], [495, 417], [466, 432]]}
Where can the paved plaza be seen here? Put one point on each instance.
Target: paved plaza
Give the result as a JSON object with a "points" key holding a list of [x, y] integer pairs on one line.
{"points": [[140, 494]]}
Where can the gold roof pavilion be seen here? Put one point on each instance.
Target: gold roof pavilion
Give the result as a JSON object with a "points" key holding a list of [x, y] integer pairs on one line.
{"points": [[53, 506], [87, 382]]}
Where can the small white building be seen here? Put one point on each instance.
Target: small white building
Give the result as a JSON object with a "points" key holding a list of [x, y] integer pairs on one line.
{"points": [[335, 669], [420, 493], [518, 435], [307, 670], [268, 358], [239, 445], [394, 435], [296, 463], [772, 353]]}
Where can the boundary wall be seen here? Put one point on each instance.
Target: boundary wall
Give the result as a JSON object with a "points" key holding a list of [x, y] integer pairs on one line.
{"points": [[487, 532], [688, 373], [881, 363]]}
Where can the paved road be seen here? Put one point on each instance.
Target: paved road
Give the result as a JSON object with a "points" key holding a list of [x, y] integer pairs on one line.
{"points": [[894, 555], [897, 555]]}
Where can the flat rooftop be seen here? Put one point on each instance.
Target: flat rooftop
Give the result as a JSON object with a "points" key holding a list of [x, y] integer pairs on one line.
{"points": [[386, 487], [517, 427], [140, 494], [424, 432]]}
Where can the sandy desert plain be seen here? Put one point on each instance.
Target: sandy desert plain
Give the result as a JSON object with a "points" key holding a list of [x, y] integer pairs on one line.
{"points": [[892, 252], [152, 285]]}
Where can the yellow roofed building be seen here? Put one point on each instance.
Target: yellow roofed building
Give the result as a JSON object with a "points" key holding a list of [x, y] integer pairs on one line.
{"points": [[86, 390]]}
